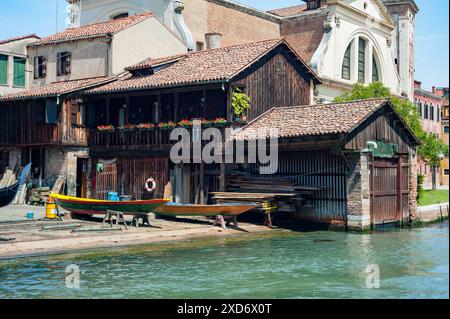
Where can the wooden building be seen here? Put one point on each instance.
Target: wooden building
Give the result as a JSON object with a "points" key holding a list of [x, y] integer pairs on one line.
{"points": [[46, 126], [360, 155], [197, 85]]}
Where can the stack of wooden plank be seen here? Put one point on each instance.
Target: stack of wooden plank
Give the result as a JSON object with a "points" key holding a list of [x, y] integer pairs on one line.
{"points": [[38, 196], [9, 178]]}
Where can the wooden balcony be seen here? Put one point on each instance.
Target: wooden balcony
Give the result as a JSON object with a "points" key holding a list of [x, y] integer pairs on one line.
{"points": [[129, 140], [39, 134]]}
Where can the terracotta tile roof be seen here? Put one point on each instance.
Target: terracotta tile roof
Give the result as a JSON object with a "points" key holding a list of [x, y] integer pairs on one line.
{"points": [[313, 120], [198, 67], [94, 30], [149, 63], [289, 11], [56, 88], [24, 37]]}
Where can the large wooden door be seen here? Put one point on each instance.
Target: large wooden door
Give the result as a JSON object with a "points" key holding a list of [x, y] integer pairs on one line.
{"points": [[389, 191]]}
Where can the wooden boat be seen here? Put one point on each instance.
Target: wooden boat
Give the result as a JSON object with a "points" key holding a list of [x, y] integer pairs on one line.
{"points": [[7, 194], [226, 209], [86, 206]]}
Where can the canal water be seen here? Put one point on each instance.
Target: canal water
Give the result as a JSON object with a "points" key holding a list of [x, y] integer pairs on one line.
{"points": [[411, 264]]}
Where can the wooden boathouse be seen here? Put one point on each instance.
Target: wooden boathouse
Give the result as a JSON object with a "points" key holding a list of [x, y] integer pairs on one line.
{"points": [[360, 155], [197, 85]]}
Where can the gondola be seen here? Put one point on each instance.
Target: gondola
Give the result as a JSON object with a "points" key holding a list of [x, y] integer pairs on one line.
{"points": [[7, 194]]}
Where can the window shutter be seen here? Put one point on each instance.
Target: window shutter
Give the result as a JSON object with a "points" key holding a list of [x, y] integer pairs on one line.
{"points": [[58, 64], [74, 113], [19, 72], [3, 69]]}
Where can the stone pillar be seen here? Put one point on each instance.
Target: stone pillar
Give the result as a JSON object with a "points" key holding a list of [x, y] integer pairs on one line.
{"points": [[413, 210], [358, 193]]}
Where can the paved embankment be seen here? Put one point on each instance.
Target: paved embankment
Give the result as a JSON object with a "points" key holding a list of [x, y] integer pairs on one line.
{"points": [[22, 237], [433, 213]]}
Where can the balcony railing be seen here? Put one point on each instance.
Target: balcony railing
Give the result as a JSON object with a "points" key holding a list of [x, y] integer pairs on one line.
{"points": [[129, 140]]}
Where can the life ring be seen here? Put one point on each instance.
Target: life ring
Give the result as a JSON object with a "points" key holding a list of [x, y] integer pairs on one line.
{"points": [[152, 182]]}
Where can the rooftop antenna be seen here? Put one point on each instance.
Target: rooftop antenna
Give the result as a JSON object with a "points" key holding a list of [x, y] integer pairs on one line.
{"points": [[56, 26]]}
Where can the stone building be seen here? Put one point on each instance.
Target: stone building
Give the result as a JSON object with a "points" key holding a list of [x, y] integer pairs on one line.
{"points": [[443, 92], [429, 105], [345, 41]]}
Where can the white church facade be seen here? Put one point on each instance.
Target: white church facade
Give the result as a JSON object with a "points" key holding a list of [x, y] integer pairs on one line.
{"points": [[345, 41]]}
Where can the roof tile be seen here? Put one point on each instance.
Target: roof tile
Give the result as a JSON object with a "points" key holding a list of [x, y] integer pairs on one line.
{"points": [[56, 88], [195, 67], [94, 30], [324, 119]]}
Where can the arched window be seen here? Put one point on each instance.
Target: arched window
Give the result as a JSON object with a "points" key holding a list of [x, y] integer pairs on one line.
{"points": [[375, 73], [438, 114], [362, 60], [120, 16], [346, 64], [432, 112], [425, 111], [420, 108]]}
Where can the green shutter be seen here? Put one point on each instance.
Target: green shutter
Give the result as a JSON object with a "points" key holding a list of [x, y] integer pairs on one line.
{"points": [[3, 69], [19, 72]]}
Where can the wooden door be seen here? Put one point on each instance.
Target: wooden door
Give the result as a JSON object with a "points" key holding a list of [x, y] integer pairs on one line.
{"points": [[387, 205]]}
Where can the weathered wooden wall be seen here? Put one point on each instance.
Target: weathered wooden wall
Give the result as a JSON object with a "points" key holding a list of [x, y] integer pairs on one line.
{"points": [[127, 176], [275, 83], [316, 168], [381, 126]]}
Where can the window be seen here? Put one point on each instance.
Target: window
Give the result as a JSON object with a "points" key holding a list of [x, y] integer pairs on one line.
{"points": [[446, 129], [432, 112], [77, 113], [3, 69], [362, 61], [438, 114], [51, 111], [313, 4], [346, 64], [19, 72], [40, 67], [420, 109], [63, 67], [375, 74], [425, 112], [446, 172], [120, 16]]}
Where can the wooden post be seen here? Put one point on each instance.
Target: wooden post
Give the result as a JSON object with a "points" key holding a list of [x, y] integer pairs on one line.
{"points": [[175, 107], [202, 183], [399, 190]]}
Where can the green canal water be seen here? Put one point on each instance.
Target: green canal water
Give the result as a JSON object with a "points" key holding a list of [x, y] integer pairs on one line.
{"points": [[412, 263]]}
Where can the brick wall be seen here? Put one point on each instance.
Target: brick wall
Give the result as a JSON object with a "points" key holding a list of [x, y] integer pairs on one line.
{"points": [[236, 26]]}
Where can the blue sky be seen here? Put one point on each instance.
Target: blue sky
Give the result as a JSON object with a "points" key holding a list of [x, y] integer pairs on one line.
{"points": [[19, 17]]}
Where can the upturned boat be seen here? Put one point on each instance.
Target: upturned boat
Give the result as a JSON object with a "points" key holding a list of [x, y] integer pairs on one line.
{"points": [[7, 194], [226, 209], [86, 206]]}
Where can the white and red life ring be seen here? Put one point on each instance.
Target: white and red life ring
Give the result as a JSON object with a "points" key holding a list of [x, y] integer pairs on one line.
{"points": [[149, 182]]}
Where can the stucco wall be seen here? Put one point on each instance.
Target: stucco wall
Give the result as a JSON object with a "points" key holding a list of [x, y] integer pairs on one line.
{"points": [[89, 59], [150, 38]]}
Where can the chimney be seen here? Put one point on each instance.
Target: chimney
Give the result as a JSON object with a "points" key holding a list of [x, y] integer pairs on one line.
{"points": [[417, 84], [213, 40], [313, 4], [433, 89]]}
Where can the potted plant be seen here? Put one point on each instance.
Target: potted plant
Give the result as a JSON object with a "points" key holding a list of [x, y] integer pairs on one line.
{"points": [[207, 123], [167, 125], [185, 123], [127, 127], [219, 122], [105, 128], [146, 127], [240, 103]]}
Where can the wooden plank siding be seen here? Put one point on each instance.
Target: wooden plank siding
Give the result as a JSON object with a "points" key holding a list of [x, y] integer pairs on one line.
{"points": [[384, 126], [23, 124], [274, 82]]}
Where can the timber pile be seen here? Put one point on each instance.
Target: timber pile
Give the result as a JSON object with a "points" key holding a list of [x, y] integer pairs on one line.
{"points": [[39, 196]]}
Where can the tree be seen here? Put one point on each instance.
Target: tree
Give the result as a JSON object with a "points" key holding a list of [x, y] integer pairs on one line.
{"points": [[431, 150]]}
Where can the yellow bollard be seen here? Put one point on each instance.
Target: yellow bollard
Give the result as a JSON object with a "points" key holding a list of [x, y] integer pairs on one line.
{"points": [[50, 209]]}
